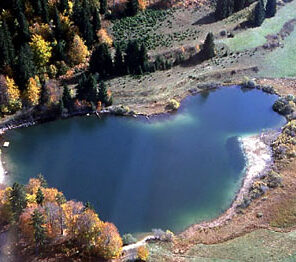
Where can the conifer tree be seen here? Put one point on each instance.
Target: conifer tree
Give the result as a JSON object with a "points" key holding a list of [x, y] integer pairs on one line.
{"points": [[259, 13], [44, 11], [25, 67], [39, 197], [270, 8], [7, 53], [208, 50], [132, 57], [58, 25], [239, 5], [101, 61], [143, 58], [38, 222], [24, 33], [103, 94], [119, 67], [132, 7], [17, 199], [67, 99], [64, 6], [103, 6], [224, 8], [96, 22]]}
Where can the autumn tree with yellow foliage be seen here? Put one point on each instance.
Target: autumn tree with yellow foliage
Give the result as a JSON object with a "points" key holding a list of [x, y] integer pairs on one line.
{"points": [[10, 100], [33, 91], [78, 51], [42, 51]]}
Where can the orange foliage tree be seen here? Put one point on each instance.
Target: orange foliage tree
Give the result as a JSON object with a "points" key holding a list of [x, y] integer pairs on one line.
{"points": [[109, 243]]}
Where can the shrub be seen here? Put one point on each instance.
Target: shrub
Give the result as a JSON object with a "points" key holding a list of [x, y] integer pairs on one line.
{"points": [[128, 239], [173, 105]]}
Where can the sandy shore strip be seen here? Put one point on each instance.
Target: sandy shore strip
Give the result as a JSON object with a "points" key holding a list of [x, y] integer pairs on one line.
{"points": [[258, 156]]}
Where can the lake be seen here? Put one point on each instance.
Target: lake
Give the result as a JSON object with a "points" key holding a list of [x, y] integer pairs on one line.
{"points": [[166, 172]]}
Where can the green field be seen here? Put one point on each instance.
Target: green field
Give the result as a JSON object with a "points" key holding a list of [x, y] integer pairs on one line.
{"points": [[261, 245], [256, 36]]}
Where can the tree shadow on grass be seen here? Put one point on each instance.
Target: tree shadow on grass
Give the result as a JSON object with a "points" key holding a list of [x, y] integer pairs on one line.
{"points": [[208, 19]]}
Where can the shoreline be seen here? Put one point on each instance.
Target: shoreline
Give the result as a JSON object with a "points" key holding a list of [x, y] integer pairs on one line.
{"points": [[258, 156]]}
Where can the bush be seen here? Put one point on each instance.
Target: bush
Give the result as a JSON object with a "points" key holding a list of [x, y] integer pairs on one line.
{"points": [[173, 105], [283, 106], [128, 239], [273, 179]]}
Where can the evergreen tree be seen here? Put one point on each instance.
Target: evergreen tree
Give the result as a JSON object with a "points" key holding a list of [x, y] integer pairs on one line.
{"points": [[132, 57], [6, 46], [25, 67], [64, 6], [67, 99], [208, 50], [239, 5], [44, 11], [119, 67], [24, 33], [58, 25], [101, 61], [17, 199], [103, 94], [259, 13], [143, 58], [132, 7], [38, 222], [103, 6], [224, 8], [96, 22], [88, 89], [270, 8], [37, 7], [39, 197]]}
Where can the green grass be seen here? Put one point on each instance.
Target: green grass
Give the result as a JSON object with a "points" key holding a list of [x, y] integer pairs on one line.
{"points": [[261, 245], [282, 61], [254, 37]]}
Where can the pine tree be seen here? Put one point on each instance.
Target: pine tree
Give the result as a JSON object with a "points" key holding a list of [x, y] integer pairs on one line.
{"points": [[44, 11], [239, 5], [224, 8], [119, 67], [132, 56], [23, 27], [259, 13], [96, 22], [25, 67], [208, 50], [132, 7], [270, 8], [17, 199], [64, 6], [38, 222], [67, 99], [39, 197], [7, 54], [101, 61], [92, 89], [58, 25], [143, 58], [103, 6], [103, 94]]}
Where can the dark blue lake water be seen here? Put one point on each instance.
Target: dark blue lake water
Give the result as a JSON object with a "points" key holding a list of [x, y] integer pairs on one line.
{"points": [[166, 172]]}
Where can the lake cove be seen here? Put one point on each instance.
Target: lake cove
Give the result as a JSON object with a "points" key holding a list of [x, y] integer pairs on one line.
{"points": [[166, 172]]}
